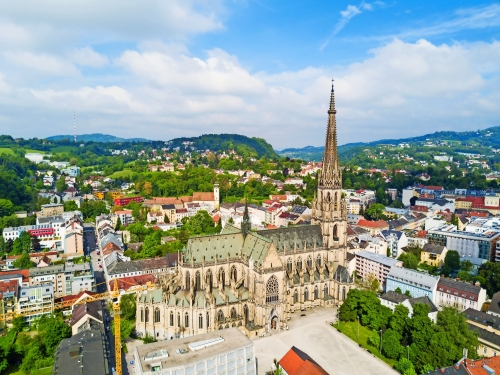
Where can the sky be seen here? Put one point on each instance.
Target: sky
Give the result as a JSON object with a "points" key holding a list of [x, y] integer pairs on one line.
{"points": [[166, 69]]}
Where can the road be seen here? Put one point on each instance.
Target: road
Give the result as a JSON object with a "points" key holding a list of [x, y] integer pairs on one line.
{"points": [[91, 248]]}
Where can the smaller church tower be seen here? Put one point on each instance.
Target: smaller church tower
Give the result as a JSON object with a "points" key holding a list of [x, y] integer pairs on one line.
{"points": [[246, 224], [216, 196]]}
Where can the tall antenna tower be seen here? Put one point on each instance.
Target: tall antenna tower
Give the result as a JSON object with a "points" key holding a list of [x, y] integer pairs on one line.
{"points": [[74, 126]]}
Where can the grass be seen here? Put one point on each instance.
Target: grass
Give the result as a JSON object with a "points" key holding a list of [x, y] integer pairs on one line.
{"points": [[121, 174], [42, 371], [6, 150], [63, 149], [14, 370], [350, 329]]}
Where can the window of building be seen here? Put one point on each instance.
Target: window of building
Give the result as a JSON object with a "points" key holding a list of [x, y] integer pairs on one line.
{"points": [[157, 315], [186, 320], [171, 319], [272, 290]]}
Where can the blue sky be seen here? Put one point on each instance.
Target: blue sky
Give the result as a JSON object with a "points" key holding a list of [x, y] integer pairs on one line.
{"points": [[164, 69]]}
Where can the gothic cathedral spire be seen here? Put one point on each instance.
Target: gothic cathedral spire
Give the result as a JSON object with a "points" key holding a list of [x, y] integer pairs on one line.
{"points": [[329, 208]]}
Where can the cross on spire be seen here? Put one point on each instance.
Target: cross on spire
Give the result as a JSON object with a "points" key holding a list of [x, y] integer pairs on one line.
{"points": [[332, 83]]}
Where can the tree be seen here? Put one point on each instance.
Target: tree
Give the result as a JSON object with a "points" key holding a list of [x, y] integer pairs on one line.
{"points": [[398, 290], [35, 244], [61, 184], [405, 367], [391, 345], [409, 260], [166, 219], [19, 323], [454, 220], [23, 262], [375, 211], [6, 207], [407, 293], [452, 259], [464, 275], [118, 224], [466, 266], [70, 206], [399, 319], [374, 339]]}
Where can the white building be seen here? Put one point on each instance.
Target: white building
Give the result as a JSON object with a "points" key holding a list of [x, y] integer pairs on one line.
{"points": [[396, 240], [223, 352], [378, 265], [35, 301]]}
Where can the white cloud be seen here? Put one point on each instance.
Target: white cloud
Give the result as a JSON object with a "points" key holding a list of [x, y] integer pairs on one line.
{"points": [[403, 89], [42, 63], [88, 57], [346, 15]]}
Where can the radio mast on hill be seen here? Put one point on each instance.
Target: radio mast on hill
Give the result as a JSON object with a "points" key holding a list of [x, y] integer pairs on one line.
{"points": [[74, 126]]}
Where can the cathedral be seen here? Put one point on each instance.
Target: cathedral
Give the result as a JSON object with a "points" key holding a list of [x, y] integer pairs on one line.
{"points": [[257, 280]]}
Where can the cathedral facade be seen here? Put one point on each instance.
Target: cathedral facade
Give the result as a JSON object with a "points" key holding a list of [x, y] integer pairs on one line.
{"points": [[257, 280]]}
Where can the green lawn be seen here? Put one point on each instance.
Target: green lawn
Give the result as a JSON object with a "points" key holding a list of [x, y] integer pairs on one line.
{"points": [[42, 371], [62, 149], [13, 370], [350, 329], [121, 174], [6, 150]]}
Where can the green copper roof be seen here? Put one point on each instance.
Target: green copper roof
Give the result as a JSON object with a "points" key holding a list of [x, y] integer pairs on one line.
{"points": [[288, 238]]}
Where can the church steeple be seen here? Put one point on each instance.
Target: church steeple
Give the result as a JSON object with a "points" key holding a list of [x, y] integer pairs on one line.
{"points": [[330, 169], [329, 207], [246, 224]]}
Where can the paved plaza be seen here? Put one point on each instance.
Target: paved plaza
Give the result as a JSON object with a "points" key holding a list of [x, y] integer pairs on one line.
{"points": [[333, 351]]}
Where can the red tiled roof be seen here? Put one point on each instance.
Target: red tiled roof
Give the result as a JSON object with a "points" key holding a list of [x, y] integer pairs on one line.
{"points": [[296, 362], [421, 234], [478, 369], [24, 273], [420, 208], [8, 286], [125, 283], [77, 296], [198, 196], [372, 224]]}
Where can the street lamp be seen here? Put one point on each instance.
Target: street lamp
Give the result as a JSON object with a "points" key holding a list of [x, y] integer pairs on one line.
{"points": [[358, 327], [408, 351], [380, 342]]}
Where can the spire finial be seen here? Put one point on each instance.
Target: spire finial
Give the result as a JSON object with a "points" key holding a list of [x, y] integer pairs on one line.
{"points": [[332, 84]]}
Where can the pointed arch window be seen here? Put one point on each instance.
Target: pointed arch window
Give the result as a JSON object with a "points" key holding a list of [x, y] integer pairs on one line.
{"points": [[146, 314], [306, 294], [171, 319], [186, 320], [289, 265], [208, 320], [222, 277], [299, 263], [234, 274], [335, 202], [197, 281], [209, 278], [296, 296], [272, 290], [200, 321], [157, 315], [343, 294], [316, 292], [220, 316], [325, 291], [318, 260], [309, 261], [188, 281], [142, 315], [178, 319], [335, 233], [233, 313], [245, 312]]}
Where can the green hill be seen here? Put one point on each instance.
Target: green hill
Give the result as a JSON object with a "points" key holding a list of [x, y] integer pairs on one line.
{"points": [[487, 138], [96, 137], [243, 145]]}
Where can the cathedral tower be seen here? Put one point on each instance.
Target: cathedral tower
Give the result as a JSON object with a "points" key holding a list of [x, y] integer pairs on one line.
{"points": [[329, 208]]}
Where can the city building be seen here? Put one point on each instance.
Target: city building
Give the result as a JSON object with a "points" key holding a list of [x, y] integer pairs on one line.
{"points": [[123, 201], [391, 299], [125, 217], [418, 284], [433, 254], [478, 245], [86, 316], [374, 227], [296, 362], [460, 294], [83, 353], [255, 279], [50, 275], [51, 209], [494, 307], [51, 235], [378, 265], [35, 301], [220, 352], [488, 328], [396, 240]]}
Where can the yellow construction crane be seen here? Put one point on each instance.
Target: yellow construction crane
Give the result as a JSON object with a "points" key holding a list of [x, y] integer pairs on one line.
{"points": [[114, 295]]}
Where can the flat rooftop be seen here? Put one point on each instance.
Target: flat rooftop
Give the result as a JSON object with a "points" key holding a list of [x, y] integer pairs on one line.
{"points": [[179, 352]]}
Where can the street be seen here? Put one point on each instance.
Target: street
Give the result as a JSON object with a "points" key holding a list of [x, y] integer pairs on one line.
{"points": [[91, 248]]}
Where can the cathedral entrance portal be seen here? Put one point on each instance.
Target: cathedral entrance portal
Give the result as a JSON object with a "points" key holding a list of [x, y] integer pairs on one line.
{"points": [[274, 322]]}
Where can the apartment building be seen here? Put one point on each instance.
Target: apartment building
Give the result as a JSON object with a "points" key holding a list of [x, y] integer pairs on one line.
{"points": [[378, 265], [35, 301], [52, 235], [50, 275], [418, 284], [460, 294]]}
